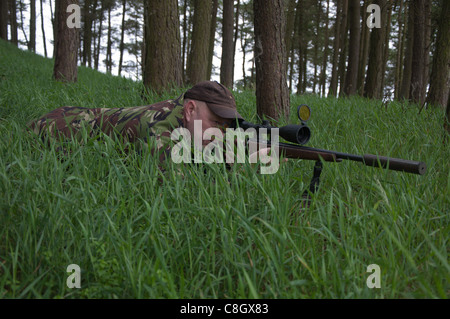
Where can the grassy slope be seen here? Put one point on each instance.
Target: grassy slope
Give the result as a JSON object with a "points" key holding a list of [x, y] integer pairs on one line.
{"points": [[138, 233]]}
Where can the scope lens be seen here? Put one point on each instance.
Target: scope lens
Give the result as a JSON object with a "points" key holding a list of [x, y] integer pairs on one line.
{"points": [[303, 135], [303, 112]]}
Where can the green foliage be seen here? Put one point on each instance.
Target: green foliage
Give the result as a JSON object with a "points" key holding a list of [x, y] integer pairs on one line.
{"points": [[206, 232]]}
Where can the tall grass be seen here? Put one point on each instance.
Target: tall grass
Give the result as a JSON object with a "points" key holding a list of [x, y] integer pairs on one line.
{"points": [[202, 231]]}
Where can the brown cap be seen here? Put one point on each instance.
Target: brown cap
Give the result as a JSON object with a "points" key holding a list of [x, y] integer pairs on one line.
{"points": [[218, 98]]}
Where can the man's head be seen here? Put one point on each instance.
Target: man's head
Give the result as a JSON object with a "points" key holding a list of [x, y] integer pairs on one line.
{"points": [[210, 102]]}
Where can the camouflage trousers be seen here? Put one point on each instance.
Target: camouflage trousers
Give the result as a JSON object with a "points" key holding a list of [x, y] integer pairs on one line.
{"points": [[147, 127]]}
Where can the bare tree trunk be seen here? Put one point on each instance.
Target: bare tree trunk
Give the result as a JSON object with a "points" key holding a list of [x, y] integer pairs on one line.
{"points": [[353, 57], [244, 50], [87, 33], [109, 44], [363, 51], [301, 40], [22, 23], [4, 20], [343, 46], [236, 32], [399, 58], [67, 40], [185, 33], [227, 65], [316, 41], [387, 31], [417, 80], [272, 96], [374, 70], [212, 38], [188, 44], [427, 47], [122, 35], [42, 28], [290, 23], [162, 54], [406, 78], [13, 21], [438, 93], [197, 68], [55, 28], [100, 31], [32, 43], [336, 47], [323, 73]]}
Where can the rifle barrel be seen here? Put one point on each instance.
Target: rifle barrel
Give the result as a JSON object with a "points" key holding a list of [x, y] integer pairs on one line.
{"points": [[396, 164]]}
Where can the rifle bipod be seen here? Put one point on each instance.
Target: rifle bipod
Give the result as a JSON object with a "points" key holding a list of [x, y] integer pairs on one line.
{"points": [[314, 184]]}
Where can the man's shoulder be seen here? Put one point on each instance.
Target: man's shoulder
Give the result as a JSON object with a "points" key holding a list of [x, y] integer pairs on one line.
{"points": [[158, 111]]}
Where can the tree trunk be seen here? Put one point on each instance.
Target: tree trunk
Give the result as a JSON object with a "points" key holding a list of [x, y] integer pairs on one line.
{"points": [[427, 47], [22, 23], [197, 65], [55, 28], [100, 31], [212, 38], [87, 33], [42, 28], [406, 78], [301, 40], [162, 54], [363, 51], [109, 61], [122, 35], [417, 64], [185, 33], [13, 21], [67, 40], [227, 65], [440, 76], [4, 20], [353, 57], [336, 46], [316, 41], [32, 43], [290, 23], [323, 73], [236, 32], [343, 46], [376, 51], [399, 58], [244, 51], [272, 96], [387, 31]]}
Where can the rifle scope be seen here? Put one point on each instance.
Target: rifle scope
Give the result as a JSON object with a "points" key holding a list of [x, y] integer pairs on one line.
{"points": [[294, 133]]}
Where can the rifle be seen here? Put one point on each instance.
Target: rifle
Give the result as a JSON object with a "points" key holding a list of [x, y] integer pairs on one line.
{"points": [[298, 135]]}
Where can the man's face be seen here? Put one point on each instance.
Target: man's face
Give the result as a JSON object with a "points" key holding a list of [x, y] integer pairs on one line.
{"points": [[197, 110]]}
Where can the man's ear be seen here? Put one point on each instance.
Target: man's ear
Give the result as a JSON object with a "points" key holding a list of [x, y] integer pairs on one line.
{"points": [[189, 110]]}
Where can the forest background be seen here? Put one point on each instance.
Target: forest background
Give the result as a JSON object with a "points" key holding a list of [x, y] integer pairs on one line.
{"points": [[328, 47]]}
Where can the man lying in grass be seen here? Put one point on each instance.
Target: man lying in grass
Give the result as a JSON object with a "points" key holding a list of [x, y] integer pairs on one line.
{"points": [[208, 101]]}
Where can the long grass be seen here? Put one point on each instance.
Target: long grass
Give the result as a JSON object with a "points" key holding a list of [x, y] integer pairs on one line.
{"points": [[203, 231]]}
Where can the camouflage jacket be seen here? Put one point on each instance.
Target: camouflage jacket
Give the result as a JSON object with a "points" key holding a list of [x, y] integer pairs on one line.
{"points": [[146, 126]]}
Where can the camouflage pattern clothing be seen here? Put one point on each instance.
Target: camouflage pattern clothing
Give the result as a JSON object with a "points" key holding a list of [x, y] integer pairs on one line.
{"points": [[145, 126]]}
